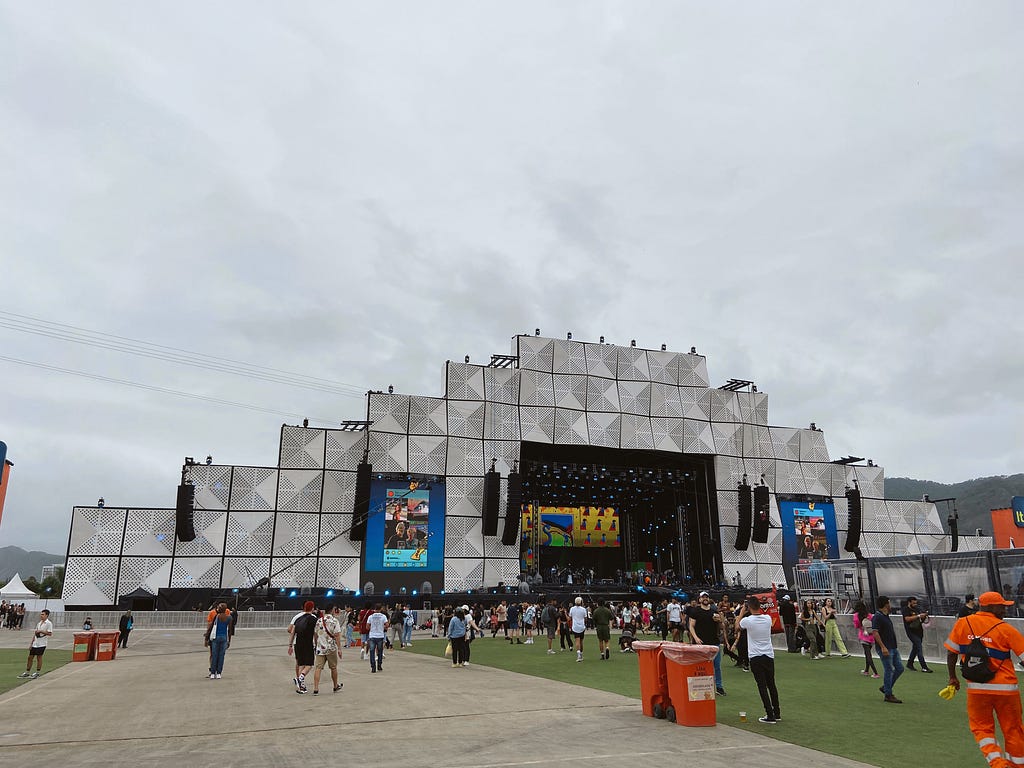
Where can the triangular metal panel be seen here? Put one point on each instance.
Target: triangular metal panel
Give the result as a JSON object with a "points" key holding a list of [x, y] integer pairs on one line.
{"points": [[389, 412], [428, 454], [249, 534], [501, 385], [505, 451], [601, 360], [196, 572], [668, 433], [149, 532], [463, 537], [536, 388], [569, 356], [571, 427], [242, 572], [209, 527], [637, 432], [602, 395], [339, 491], [299, 490], [536, 353], [501, 421], [635, 397], [665, 400], [334, 538], [254, 488], [428, 416], [571, 391], [664, 367], [296, 534], [812, 446], [695, 403], [465, 456], [632, 365], [604, 428], [338, 573], [786, 443], [537, 424], [302, 447], [344, 449], [727, 437], [466, 418]]}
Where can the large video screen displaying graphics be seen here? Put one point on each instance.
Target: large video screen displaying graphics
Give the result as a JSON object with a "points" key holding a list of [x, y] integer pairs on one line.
{"points": [[808, 533], [575, 526], [405, 531]]}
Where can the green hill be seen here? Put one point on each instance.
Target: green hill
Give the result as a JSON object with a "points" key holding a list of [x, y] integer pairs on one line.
{"points": [[974, 498], [16, 560]]}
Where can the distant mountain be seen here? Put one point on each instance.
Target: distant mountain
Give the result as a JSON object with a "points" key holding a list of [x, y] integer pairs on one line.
{"points": [[16, 560], [975, 499]]}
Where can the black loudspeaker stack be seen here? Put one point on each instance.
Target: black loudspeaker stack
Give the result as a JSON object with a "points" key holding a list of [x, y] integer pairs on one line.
{"points": [[361, 505], [745, 508], [762, 517], [184, 522], [513, 509], [853, 528], [492, 500]]}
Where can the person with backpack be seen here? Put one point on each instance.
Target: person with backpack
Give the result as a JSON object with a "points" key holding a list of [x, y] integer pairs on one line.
{"points": [[983, 643], [549, 619]]}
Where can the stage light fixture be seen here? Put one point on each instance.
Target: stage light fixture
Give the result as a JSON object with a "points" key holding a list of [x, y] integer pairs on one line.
{"points": [[632, 342], [693, 350], [100, 502], [536, 331], [329, 593], [664, 347], [568, 336], [602, 339], [391, 389], [467, 359]]}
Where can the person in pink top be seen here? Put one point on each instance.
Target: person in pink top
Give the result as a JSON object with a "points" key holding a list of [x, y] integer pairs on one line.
{"points": [[862, 621]]}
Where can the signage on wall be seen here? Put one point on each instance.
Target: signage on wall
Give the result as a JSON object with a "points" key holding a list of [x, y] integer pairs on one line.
{"points": [[1017, 505]]}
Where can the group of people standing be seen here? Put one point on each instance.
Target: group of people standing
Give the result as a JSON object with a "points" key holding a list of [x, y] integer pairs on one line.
{"points": [[12, 615]]}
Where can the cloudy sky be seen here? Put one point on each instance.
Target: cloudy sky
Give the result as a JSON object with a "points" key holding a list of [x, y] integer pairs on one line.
{"points": [[825, 202]]}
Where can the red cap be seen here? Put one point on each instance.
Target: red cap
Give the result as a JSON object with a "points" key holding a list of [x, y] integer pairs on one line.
{"points": [[993, 598], [308, 605]]}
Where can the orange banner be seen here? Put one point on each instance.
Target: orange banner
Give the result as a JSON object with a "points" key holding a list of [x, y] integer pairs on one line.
{"points": [[5, 474]]}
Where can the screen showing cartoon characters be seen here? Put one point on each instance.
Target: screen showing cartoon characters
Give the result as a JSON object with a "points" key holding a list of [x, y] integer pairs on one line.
{"points": [[406, 528], [574, 526]]}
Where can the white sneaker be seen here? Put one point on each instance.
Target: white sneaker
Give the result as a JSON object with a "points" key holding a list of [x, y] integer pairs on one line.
{"points": [[34, 675], [579, 657], [218, 675], [551, 652], [25, 674], [362, 655], [465, 663], [213, 676]]}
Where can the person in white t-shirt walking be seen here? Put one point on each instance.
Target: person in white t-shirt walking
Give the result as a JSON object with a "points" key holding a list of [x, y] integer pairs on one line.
{"points": [[674, 615], [42, 634], [761, 654], [578, 625]]}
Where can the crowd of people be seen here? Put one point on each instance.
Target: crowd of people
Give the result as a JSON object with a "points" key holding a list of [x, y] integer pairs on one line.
{"points": [[12, 615]]}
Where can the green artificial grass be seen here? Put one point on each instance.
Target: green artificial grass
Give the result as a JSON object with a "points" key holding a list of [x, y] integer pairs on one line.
{"points": [[12, 664], [827, 705]]}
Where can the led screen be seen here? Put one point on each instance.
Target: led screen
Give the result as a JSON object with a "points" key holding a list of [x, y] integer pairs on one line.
{"points": [[403, 533], [809, 533], [574, 526]]}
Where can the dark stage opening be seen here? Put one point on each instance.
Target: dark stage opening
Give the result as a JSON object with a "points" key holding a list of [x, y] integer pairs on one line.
{"points": [[612, 510]]}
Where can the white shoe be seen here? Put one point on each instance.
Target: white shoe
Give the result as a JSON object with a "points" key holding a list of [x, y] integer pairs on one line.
{"points": [[213, 676], [465, 663], [34, 675], [362, 655], [218, 675], [25, 674], [551, 652]]}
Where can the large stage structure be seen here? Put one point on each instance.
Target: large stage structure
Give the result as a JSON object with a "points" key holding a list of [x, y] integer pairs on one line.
{"points": [[622, 457]]}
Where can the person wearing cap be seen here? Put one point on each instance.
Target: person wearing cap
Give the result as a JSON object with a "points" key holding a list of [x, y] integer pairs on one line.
{"points": [[999, 698], [787, 612], [969, 607], [705, 625]]}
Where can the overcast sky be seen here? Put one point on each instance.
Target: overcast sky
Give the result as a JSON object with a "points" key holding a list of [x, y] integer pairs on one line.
{"points": [[825, 201]]}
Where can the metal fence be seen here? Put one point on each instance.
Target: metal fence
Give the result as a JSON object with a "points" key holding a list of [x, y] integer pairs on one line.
{"points": [[168, 619]]}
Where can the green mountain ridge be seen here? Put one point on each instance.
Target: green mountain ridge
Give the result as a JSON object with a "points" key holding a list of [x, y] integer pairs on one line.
{"points": [[975, 499], [16, 560]]}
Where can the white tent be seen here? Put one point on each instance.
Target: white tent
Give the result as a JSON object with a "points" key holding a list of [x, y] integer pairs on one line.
{"points": [[15, 591]]}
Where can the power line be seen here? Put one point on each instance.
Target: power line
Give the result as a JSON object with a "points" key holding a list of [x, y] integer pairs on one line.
{"points": [[152, 388], [139, 348]]}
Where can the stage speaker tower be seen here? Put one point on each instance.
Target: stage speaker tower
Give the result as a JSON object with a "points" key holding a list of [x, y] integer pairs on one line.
{"points": [[853, 527], [361, 504], [745, 510], [762, 517], [492, 500], [184, 518], [513, 509]]}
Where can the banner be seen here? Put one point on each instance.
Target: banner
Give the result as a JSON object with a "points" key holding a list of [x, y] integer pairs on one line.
{"points": [[5, 476]]}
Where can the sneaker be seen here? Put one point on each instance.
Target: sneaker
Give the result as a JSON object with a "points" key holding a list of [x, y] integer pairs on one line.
{"points": [[579, 657], [720, 691], [864, 672], [25, 674], [218, 675], [874, 675], [911, 667], [300, 690], [316, 692], [338, 687], [362, 655], [552, 652], [374, 671], [929, 670], [766, 719], [465, 663], [213, 676], [892, 700], [34, 675], [845, 655], [454, 666]]}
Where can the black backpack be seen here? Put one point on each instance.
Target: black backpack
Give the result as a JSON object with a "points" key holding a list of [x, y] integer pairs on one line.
{"points": [[974, 665]]}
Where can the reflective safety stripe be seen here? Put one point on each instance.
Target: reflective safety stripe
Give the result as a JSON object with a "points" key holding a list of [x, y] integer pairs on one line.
{"points": [[993, 756], [1015, 760], [991, 686], [986, 742]]}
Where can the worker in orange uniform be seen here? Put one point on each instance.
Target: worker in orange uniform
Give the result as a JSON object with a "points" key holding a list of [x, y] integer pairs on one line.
{"points": [[998, 697]]}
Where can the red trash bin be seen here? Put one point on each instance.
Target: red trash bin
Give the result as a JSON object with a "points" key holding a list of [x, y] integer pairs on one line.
{"points": [[691, 682], [84, 648], [106, 645], [654, 697]]}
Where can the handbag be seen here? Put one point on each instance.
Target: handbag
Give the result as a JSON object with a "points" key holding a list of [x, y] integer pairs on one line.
{"points": [[448, 650]]}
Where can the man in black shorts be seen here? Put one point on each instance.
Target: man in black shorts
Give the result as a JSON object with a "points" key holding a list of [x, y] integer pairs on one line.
{"points": [[602, 624], [302, 629], [549, 618], [41, 635]]}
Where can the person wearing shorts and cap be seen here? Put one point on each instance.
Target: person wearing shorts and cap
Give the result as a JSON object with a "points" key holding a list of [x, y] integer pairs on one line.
{"points": [[999, 698]]}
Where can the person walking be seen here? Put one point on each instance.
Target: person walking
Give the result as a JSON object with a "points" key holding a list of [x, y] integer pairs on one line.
{"points": [[124, 626], [913, 623], [602, 626], [377, 630], [832, 636], [885, 640], [862, 621], [705, 626], [457, 637], [327, 639], [302, 630], [758, 626], [578, 625], [218, 639], [549, 620], [40, 637], [969, 608], [998, 698], [809, 622]]}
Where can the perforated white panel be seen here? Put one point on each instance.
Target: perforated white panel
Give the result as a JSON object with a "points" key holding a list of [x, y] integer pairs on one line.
{"points": [[302, 448], [149, 532], [97, 531], [254, 487], [249, 533]]}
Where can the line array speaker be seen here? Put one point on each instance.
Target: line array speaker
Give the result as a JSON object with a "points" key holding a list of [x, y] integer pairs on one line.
{"points": [[184, 513], [492, 500], [762, 516], [745, 507], [853, 528], [513, 509], [361, 504]]}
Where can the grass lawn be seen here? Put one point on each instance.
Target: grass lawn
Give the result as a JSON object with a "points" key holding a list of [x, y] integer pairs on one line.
{"points": [[826, 705], [12, 664]]}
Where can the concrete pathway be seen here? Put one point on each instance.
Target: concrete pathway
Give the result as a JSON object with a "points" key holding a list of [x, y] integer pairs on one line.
{"points": [[155, 706]]}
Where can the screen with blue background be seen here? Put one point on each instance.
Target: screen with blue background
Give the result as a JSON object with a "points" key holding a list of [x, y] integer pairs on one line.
{"points": [[405, 530], [808, 533]]}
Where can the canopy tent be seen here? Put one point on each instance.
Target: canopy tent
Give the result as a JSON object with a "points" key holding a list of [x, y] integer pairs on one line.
{"points": [[15, 591]]}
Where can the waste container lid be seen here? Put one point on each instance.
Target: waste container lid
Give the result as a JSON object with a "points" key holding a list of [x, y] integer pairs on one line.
{"points": [[648, 645], [681, 653]]}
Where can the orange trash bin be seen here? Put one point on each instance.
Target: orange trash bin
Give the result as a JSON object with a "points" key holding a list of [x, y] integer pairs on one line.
{"points": [[84, 648], [654, 696], [691, 682], [106, 645]]}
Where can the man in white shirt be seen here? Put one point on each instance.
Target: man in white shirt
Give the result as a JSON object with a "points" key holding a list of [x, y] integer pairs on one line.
{"points": [[41, 635], [578, 625], [674, 614], [761, 654], [378, 624]]}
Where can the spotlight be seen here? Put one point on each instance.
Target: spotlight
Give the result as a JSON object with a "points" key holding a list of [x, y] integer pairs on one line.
{"points": [[664, 347], [632, 342], [305, 422], [293, 593], [101, 503], [568, 336], [467, 358], [391, 389], [387, 593], [329, 593], [693, 350], [536, 331], [602, 339]]}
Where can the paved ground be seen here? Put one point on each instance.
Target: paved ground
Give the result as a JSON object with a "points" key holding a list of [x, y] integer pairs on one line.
{"points": [[155, 706]]}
